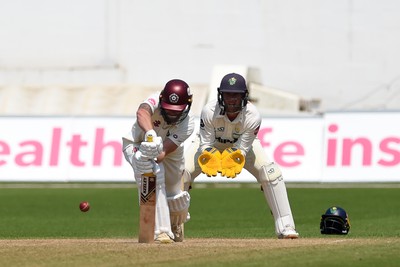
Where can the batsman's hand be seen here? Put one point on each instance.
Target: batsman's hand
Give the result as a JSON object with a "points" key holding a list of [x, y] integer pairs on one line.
{"points": [[152, 149], [210, 161], [232, 162], [142, 164]]}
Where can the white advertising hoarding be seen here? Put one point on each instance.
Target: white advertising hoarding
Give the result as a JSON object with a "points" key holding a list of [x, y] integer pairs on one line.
{"points": [[363, 146], [295, 145], [63, 149], [338, 147]]}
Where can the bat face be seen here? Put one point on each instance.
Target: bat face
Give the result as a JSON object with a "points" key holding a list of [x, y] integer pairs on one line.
{"points": [[147, 216], [147, 208], [148, 189]]}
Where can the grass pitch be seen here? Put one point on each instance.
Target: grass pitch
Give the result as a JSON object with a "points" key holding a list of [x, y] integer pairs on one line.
{"points": [[230, 225]]}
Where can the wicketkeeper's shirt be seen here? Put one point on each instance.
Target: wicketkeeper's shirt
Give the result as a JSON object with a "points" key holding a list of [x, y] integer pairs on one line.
{"points": [[216, 130]]}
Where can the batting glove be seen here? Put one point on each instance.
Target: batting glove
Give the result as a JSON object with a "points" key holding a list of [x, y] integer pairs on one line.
{"points": [[142, 164], [152, 149], [210, 161], [232, 162]]}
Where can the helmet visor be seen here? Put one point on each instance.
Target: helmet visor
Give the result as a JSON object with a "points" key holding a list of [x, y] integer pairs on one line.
{"points": [[334, 225], [167, 106]]}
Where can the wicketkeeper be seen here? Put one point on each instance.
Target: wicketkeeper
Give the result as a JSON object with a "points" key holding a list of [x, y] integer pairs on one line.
{"points": [[228, 142], [166, 117]]}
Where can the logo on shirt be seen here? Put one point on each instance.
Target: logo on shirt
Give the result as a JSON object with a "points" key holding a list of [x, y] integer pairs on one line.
{"points": [[220, 129], [236, 136], [224, 141], [156, 123], [152, 101]]}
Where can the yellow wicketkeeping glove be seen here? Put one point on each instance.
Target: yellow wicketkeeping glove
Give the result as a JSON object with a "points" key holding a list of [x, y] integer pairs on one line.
{"points": [[232, 162], [210, 161]]}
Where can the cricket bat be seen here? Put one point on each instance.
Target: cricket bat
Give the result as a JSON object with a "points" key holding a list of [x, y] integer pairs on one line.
{"points": [[147, 216]]}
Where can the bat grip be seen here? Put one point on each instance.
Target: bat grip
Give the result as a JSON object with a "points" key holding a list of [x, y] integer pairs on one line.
{"points": [[149, 138]]}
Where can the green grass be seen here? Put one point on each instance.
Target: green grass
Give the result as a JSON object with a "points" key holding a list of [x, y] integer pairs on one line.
{"points": [[373, 212], [45, 213], [216, 212]]}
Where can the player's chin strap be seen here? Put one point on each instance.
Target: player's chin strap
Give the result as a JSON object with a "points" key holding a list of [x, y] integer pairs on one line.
{"points": [[275, 193]]}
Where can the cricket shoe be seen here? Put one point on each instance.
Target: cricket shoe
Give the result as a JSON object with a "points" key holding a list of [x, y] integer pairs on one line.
{"points": [[288, 233], [163, 238], [178, 232]]}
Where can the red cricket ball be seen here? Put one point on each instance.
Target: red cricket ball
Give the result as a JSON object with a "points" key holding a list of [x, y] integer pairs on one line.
{"points": [[84, 206]]}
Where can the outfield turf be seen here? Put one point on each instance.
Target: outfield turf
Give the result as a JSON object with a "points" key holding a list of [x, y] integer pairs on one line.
{"points": [[218, 213]]}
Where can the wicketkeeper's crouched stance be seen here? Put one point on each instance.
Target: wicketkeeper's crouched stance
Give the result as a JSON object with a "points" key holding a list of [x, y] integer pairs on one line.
{"points": [[228, 142], [166, 118]]}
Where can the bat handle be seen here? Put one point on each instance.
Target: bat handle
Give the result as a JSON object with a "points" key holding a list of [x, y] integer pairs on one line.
{"points": [[150, 138]]}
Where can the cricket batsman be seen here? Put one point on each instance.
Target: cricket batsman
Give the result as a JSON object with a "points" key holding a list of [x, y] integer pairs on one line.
{"points": [[166, 117], [228, 142]]}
